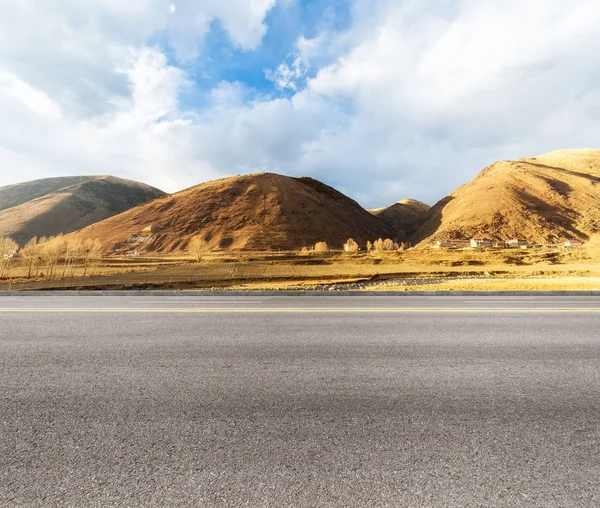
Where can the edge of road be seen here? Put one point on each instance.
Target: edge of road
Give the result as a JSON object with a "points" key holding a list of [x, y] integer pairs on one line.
{"points": [[449, 293]]}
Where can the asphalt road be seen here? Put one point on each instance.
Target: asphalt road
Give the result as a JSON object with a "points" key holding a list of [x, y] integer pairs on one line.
{"points": [[307, 401]]}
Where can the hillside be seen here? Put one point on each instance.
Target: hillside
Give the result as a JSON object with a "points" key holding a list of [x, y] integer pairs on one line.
{"points": [[405, 217], [542, 199], [62, 205], [257, 212]]}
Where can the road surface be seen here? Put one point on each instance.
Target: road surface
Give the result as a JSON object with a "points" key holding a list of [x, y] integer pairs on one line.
{"points": [[306, 401]]}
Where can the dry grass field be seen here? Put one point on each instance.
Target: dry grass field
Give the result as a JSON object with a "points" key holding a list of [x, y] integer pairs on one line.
{"points": [[415, 269]]}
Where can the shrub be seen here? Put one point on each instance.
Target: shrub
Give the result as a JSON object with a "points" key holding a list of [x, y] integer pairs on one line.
{"points": [[321, 247], [378, 245], [385, 245], [389, 244], [197, 247], [351, 245], [8, 248]]}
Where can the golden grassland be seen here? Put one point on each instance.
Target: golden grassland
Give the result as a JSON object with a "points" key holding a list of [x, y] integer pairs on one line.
{"points": [[414, 269]]}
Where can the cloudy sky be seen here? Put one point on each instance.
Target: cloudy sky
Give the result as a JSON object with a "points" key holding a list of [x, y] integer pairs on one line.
{"points": [[383, 99]]}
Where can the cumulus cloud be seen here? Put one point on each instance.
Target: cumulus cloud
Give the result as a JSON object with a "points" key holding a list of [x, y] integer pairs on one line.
{"points": [[411, 100], [81, 91], [426, 94]]}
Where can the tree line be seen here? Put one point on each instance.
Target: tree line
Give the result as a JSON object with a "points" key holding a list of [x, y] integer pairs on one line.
{"points": [[51, 258], [352, 245]]}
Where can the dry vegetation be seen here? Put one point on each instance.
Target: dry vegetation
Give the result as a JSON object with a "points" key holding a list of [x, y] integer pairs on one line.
{"points": [[63, 263], [49, 258]]}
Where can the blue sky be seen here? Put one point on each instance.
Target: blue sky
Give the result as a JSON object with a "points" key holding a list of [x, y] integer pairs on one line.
{"points": [[384, 99], [222, 61]]}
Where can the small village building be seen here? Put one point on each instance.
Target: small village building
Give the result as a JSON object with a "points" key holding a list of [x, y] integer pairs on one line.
{"points": [[481, 243], [11, 255], [573, 244], [149, 229], [453, 244], [516, 243]]}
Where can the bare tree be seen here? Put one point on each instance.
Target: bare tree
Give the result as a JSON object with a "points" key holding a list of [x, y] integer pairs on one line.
{"points": [[72, 251], [91, 252], [385, 245], [351, 245], [51, 251], [31, 254], [197, 247], [40, 255], [321, 247], [8, 248], [389, 245]]}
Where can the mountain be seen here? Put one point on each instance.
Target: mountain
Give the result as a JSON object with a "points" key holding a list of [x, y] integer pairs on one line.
{"points": [[255, 212], [405, 217], [61, 205], [542, 199]]}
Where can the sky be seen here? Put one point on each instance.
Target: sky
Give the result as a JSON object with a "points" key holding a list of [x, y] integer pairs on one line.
{"points": [[382, 99]]}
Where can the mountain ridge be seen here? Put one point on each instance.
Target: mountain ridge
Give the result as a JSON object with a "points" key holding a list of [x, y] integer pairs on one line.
{"points": [[405, 216], [61, 205], [543, 199]]}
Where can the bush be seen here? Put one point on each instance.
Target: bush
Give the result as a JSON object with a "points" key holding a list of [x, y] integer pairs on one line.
{"points": [[378, 245], [351, 245], [8, 248], [389, 244], [385, 245], [197, 247], [321, 247]]}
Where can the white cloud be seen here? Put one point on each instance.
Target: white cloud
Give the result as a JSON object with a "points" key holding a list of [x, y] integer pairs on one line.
{"points": [[38, 102], [411, 100], [81, 92], [426, 95], [144, 136], [438, 93], [288, 73]]}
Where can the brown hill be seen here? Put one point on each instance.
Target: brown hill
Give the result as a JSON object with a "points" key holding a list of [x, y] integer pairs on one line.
{"points": [[61, 205], [541, 199], [255, 212], [405, 217]]}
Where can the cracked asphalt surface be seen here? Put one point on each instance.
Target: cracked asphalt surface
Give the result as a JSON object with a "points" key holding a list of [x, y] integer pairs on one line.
{"points": [[446, 405]]}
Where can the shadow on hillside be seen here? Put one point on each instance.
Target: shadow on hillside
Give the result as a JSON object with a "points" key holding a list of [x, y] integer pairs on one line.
{"points": [[561, 188], [591, 178], [225, 242], [552, 214], [432, 222]]}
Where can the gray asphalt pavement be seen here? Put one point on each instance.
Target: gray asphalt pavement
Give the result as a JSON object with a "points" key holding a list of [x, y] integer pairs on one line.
{"points": [[311, 401]]}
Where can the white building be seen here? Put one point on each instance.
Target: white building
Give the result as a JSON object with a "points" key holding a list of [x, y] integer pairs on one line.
{"points": [[573, 243], [516, 243], [481, 243], [453, 244]]}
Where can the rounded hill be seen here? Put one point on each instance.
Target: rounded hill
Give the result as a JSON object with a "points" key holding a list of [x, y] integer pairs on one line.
{"points": [[53, 206], [262, 211], [541, 199], [405, 216]]}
